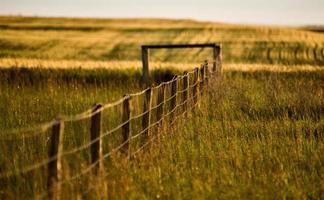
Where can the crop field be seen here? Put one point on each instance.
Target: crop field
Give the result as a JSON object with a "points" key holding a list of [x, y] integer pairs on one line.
{"points": [[258, 132]]}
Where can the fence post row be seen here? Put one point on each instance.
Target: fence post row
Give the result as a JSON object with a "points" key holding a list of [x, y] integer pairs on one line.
{"points": [[126, 124], [147, 114], [55, 150], [185, 87], [95, 134], [173, 101]]}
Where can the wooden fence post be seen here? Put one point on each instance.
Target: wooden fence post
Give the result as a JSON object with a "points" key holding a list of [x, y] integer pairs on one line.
{"points": [[219, 60], [95, 134], [160, 103], [126, 124], [147, 114], [55, 165], [202, 78], [195, 87], [173, 101], [216, 53], [185, 87], [145, 55], [206, 71]]}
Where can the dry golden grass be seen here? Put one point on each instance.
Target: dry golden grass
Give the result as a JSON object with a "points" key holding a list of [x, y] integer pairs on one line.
{"points": [[258, 134], [137, 65], [113, 39]]}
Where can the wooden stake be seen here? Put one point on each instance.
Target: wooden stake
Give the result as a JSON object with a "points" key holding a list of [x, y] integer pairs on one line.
{"points": [[173, 101], [126, 126], [55, 166], [95, 134], [147, 116]]}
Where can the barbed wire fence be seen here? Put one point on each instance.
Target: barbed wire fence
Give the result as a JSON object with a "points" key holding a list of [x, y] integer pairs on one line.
{"points": [[47, 160]]}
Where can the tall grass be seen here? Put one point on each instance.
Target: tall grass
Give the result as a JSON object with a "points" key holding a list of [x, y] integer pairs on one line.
{"points": [[30, 96], [255, 135], [258, 136]]}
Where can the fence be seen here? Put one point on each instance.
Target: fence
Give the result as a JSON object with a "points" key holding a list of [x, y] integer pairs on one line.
{"points": [[140, 119]]}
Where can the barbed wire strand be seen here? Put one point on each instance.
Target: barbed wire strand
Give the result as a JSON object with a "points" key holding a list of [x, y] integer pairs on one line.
{"points": [[88, 113], [38, 165], [151, 139], [27, 169], [88, 169], [85, 171]]}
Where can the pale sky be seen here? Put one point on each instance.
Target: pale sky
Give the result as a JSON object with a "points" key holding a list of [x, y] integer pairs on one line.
{"points": [[273, 12]]}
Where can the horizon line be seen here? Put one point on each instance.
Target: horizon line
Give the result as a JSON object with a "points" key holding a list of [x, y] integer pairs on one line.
{"points": [[165, 18]]}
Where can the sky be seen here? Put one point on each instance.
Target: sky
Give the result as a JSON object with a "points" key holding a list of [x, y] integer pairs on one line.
{"points": [[269, 12]]}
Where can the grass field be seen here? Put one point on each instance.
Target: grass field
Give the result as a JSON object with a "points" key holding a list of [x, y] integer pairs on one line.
{"points": [[120, 39], [258, 134]]}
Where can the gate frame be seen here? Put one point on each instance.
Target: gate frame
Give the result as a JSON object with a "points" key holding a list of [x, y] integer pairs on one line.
{"points": [[145, 54]]}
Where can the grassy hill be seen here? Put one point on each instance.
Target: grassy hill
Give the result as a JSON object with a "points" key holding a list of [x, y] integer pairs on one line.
{"points": [[120, 39]]}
